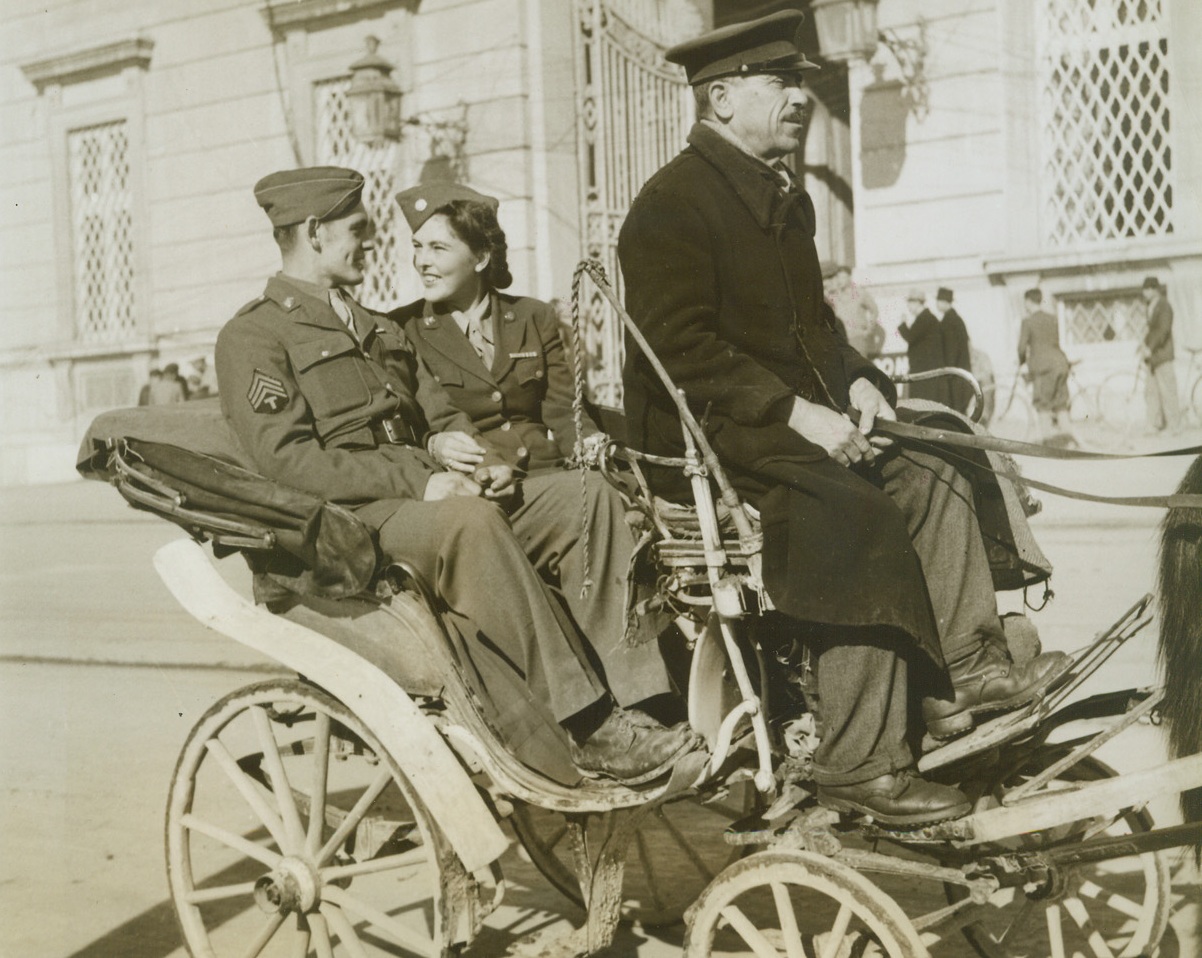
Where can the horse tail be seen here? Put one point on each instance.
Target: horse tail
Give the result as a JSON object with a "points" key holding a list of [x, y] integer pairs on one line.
{"points": [[1180, 649]]}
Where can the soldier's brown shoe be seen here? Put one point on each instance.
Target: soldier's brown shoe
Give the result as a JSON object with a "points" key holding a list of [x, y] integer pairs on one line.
{"points": [[988, 680], [632, 752], [901, 799]]}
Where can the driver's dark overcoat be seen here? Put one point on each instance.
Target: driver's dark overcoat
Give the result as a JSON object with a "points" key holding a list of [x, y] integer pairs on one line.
{"points": [[722, 277]]}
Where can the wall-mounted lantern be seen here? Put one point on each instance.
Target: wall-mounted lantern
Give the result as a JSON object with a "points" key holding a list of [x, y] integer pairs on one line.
{"points": [[847, 30], [374, 99]]}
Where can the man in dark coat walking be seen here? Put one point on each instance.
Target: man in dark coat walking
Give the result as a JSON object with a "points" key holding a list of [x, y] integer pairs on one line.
{"points": [[957, 351], [924, 348], [878, 546]]}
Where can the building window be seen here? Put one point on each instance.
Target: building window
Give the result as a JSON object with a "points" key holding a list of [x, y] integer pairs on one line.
{"points": [[378, 164], [102, 232], [1104, 110], [1096, 318]]}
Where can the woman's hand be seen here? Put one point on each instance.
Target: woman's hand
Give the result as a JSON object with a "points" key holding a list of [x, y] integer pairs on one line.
{"points": [[496, 481], [456, 450]]}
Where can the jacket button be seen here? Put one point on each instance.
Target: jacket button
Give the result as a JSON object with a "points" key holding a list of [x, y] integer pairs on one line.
{"points": [[522, 451], [538, 374], [506, 426], [496, 395], [509, 314], [325, 352]]}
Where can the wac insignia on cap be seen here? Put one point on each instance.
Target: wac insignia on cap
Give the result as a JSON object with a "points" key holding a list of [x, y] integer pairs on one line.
{"points": [[266, 393]]}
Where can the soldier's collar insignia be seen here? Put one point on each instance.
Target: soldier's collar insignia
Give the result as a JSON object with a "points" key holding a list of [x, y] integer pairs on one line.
{"points": [[266, 393]]}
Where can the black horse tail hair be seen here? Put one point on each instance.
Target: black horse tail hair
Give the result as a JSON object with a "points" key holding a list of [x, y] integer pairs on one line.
{"points": [[1180, 649]]}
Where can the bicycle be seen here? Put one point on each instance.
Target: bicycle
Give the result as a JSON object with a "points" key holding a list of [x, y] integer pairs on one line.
{"points": [[1014, 409]]}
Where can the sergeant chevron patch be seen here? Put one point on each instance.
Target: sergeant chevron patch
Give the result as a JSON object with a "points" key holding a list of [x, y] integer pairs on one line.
{"points": [[266, 393]]}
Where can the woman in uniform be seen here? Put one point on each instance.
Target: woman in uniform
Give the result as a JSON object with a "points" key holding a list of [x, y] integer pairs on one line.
{"points": [[499, 357]]}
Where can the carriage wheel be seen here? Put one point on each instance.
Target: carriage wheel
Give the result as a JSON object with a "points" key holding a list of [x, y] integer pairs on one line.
{"points": [[676, 851], [291, 832], [795, 904], [1119, 908]]}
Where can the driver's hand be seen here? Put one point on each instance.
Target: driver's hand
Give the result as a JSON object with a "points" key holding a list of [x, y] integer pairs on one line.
{"points": [[831, 430], [447, 485], [496, 481], [871, 405], [456, 450]]}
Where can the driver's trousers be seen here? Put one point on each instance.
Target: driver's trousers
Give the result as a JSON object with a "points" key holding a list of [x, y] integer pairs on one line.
{"points": [[864, 674], [517, 577]]}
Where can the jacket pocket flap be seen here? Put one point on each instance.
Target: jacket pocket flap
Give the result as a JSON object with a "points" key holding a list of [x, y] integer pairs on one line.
{"points": [[308, 354]]}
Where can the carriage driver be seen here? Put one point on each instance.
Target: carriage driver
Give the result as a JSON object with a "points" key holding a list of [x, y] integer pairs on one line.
{"points": [[878, 547], [328, 397]]}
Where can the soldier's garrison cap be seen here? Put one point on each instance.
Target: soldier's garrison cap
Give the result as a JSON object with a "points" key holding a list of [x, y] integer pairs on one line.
{"points": [[419, 203], [292, 196], [766, 45]]}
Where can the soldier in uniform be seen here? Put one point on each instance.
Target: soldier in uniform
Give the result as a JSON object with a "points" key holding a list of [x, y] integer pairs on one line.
{"points": [[500, 358], [867, 546], [328, 397]]}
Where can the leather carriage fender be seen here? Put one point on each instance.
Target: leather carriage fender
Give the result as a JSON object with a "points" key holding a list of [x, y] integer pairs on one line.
{"points": [[382, 705]]}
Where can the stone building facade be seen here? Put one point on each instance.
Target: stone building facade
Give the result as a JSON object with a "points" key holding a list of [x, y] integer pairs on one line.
{"points": [[986, 145]]}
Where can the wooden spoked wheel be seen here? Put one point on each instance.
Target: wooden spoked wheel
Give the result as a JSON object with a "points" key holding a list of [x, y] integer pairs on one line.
{"points": [[290, 832], [796, 904], [1118, 908], [677, 849]]}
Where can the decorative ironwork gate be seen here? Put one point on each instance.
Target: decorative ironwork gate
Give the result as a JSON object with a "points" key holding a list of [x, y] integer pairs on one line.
{"points": [[635, 110], [379, 165]]}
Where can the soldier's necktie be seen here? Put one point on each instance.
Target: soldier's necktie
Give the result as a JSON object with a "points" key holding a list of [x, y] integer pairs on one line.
{"points": [[343, 310]]}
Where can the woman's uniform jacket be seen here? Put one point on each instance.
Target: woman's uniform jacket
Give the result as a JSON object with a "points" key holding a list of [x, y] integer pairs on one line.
{"points": [[722, 277], [523, 405]]}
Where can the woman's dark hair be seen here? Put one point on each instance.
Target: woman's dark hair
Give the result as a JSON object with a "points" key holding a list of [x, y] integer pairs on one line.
{"points": [[476, 224]]}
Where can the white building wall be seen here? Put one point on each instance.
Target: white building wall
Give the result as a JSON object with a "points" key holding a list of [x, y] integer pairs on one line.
{"points": [[218, 106]]}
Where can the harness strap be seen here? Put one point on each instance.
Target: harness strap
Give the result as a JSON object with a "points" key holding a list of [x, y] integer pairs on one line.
{"points": [[912, 434]]}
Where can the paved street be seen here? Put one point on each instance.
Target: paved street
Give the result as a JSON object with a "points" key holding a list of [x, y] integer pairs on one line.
{"points": [[102, 676]]}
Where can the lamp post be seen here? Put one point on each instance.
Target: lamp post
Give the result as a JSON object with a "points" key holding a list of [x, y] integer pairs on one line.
{"points": [[373, 99], [846, 28]]}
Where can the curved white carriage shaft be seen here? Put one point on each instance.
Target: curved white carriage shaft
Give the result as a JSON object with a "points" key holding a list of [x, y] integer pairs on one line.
{"points": [[430, 765]]}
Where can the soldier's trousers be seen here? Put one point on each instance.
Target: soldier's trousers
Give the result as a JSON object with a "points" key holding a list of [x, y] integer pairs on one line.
{"points": [[518, 578]]}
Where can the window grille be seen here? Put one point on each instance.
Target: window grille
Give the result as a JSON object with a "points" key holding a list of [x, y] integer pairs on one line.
{"points": [[336, 146], [1103, 318], [102, 232], [1104, 110]]}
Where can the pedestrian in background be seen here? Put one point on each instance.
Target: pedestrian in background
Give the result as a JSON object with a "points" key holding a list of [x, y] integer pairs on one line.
{"points": [[166, 387], [147, 389], [924, 349], [1164, 407], [957, 352], [171, 374], [856, 309], [1047, 366]]}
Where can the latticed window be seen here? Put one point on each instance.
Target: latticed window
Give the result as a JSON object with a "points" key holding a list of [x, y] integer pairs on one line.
{"points": [[336, 146], [1104, 110], [102, 227], [1103, 318]]}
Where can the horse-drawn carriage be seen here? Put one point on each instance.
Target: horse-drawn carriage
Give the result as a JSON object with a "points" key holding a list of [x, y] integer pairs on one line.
{"points": [[359, 807]]}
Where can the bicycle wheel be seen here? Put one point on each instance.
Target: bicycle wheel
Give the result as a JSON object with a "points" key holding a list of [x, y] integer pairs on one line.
{"points": [[1120, 402], [1013, 416]]}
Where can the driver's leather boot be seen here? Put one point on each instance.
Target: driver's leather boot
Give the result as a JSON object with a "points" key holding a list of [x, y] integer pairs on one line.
{"points": [[988, 680], [630, 751], [901, 799]]}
